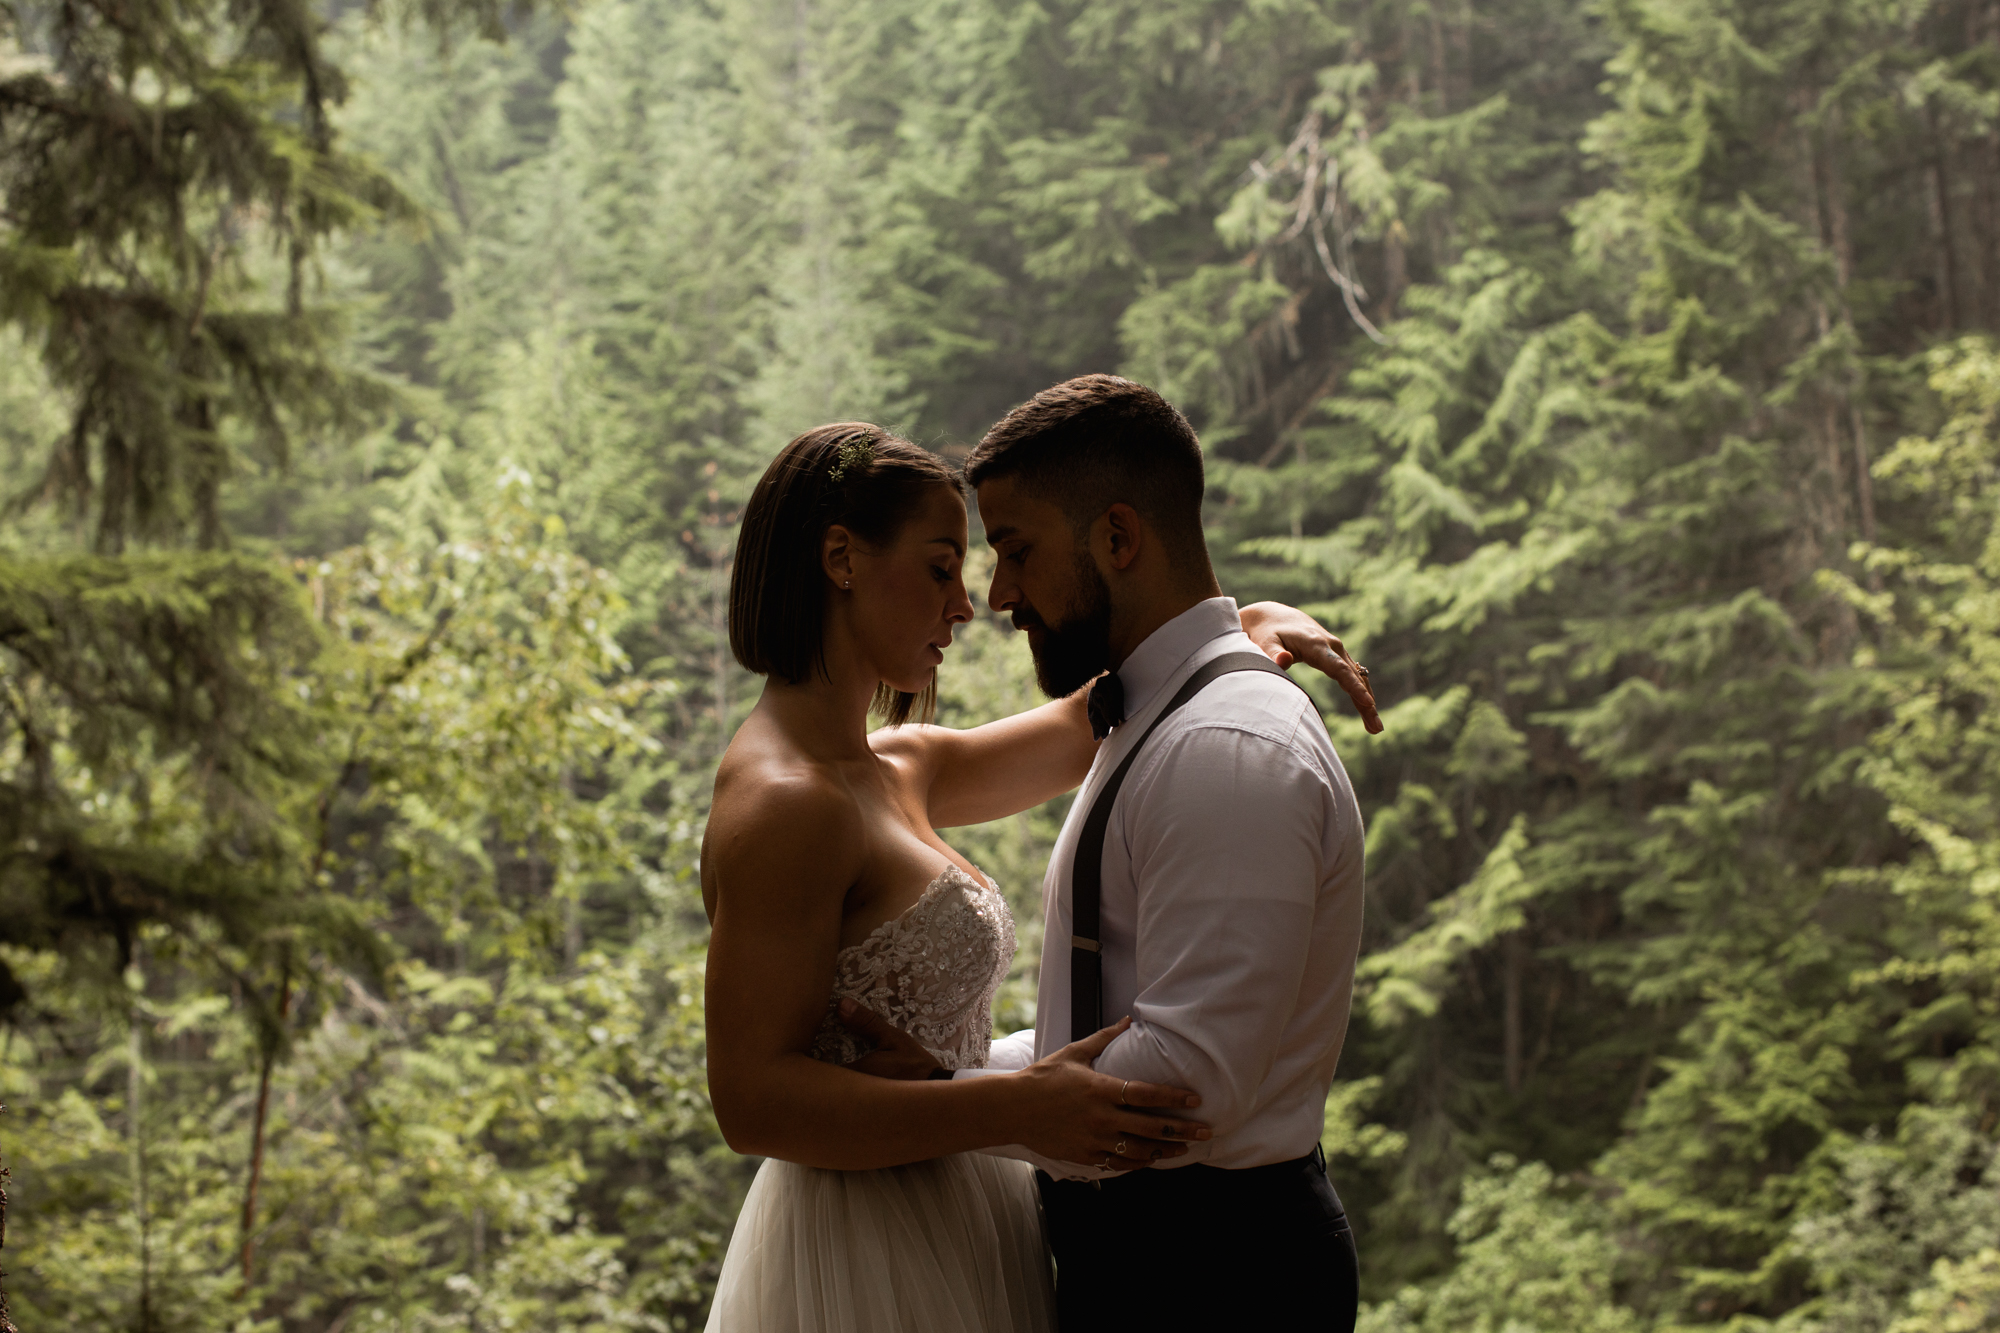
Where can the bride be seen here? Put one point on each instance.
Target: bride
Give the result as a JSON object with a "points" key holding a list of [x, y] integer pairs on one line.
{"points": [[831, 895]]}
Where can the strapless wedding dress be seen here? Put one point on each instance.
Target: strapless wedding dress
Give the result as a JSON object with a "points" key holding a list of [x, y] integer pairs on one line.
{"points": [[947, 1246]]}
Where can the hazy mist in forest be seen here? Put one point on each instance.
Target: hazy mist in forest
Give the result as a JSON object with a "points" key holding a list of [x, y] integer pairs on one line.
{"points": [[379, 390]]}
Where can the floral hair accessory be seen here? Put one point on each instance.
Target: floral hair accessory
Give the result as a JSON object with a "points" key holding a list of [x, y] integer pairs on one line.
{"points": [[859, 451]]}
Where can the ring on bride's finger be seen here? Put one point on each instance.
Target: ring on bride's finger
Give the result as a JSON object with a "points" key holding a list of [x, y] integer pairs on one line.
{"points": [[1121, 1091], [1118, 1148]]}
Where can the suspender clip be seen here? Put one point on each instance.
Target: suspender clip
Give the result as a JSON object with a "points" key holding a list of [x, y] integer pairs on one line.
{"points": [[1079, 942]]}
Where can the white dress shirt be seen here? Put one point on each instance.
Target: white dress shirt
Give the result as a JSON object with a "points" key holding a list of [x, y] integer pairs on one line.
{"points": [[1231, 901]]}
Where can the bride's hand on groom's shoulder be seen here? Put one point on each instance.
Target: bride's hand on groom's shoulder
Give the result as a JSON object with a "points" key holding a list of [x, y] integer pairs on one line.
{"points": [[1287, 635], [1079, 1115], [896, 1055]]}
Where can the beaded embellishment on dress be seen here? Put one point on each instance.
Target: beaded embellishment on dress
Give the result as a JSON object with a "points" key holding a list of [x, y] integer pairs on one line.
{"points": [[931, 972]]}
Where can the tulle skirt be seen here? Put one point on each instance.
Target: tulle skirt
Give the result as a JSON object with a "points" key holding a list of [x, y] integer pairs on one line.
{"points": [[949, 1246]]}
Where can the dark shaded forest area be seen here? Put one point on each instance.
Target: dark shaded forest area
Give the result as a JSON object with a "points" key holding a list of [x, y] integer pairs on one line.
{"points": [[378, 390]]}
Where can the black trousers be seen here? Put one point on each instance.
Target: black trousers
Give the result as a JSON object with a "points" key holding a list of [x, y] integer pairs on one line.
{"points": [[1200, 1247]]}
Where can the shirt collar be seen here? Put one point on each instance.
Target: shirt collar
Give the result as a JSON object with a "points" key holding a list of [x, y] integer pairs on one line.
{"points": [[1154, 661]]}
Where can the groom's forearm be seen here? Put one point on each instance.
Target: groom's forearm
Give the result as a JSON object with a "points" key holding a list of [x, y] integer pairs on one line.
{"points": [[1011, 1054], [1007, 1055]]}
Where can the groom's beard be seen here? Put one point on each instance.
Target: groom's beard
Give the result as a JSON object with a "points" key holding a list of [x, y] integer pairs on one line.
{"points": [[1074, 653]]}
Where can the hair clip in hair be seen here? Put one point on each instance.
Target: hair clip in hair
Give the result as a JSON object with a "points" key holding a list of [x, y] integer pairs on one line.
{"points": [[856, 452]]}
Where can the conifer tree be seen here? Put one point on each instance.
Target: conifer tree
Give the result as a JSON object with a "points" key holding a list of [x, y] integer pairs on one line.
{"points": [[1609, 376]]}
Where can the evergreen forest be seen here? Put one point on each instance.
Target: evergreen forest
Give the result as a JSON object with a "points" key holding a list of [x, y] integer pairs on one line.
{"points": [[380, 383]]}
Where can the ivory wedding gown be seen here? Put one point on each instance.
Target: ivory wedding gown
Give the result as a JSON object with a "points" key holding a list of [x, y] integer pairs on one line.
{"points": [[947, 1246]]}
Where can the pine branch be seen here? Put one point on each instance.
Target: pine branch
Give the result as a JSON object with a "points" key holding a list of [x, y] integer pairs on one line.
{"points": [[104, 258]]}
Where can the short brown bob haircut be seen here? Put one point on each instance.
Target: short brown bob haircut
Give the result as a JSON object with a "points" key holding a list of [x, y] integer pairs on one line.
{"points": [[1098, 440], [852, 474]]}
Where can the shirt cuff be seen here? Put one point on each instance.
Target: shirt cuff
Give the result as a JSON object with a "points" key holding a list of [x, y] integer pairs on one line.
{"points": [[1047, 1165], [1010, 1054]]}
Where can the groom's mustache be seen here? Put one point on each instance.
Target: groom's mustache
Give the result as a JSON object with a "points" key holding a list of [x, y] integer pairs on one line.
{"points": [[1026, 618]]}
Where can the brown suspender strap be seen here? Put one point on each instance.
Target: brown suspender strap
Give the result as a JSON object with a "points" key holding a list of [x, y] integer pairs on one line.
{"points": [[1086, 874]]}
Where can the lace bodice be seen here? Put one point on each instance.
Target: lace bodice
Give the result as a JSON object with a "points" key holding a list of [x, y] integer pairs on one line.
{"points": [[931, 972]]}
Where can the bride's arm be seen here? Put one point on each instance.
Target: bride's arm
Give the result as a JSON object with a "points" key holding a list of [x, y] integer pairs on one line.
{"points": [[999, 769], [784, 854], [995, 770], [1288, 635]]}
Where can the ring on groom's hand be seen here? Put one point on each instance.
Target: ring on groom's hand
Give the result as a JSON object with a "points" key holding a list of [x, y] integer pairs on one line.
{"points": [[1118, 1149], [1121, 1091]]}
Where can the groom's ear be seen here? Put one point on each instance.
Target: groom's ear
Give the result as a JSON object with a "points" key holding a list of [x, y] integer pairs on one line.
{"points": [[1123, 535]]}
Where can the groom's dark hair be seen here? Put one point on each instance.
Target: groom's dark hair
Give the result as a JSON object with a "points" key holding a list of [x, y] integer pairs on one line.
{"points": [[1094, 441]]}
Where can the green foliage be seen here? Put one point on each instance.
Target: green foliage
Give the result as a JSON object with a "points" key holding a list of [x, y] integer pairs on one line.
{"points": [[1532, 1256], [466, 1063], [148, 158], [1924, 1199], [153, 751], [1962, 1298], [1551, 352]]}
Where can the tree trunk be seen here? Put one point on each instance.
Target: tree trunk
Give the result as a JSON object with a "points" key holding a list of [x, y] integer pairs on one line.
{"points": [[1989, 229], [1864, 482], [1514, 962], [1827, 195], [141, 1206], [263, 1115], [1827, 170], [721, 555], [1439, 78], [1458, 75], [1940, 174], [6, 1323]]}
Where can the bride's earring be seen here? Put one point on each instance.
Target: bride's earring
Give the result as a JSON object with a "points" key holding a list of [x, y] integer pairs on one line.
{"points": [[847, 583]]}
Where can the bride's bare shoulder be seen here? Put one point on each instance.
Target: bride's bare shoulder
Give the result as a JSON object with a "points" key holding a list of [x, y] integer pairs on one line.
{"points": [[773, 807]]}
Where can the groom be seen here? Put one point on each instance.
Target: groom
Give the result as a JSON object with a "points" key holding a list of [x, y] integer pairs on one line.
{"points": [[1227, 876], [1207, 882]]}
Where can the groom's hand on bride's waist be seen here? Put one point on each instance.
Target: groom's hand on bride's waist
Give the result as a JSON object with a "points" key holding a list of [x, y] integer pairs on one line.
{"points": [[1065, 1109], [1073, 1113]]}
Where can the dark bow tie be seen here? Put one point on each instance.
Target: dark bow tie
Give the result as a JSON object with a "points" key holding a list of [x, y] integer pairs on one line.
{"points": [[1107, 704]]}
